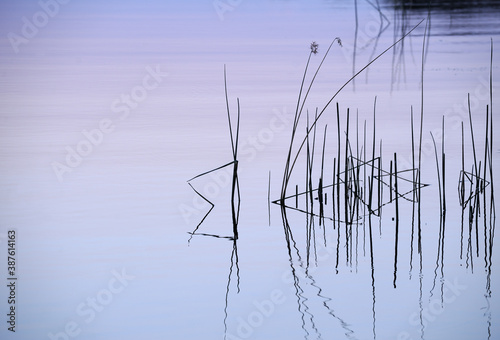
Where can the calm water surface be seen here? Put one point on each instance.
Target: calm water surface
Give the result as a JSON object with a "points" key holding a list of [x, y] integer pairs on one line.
{"points": [[107, 110]]}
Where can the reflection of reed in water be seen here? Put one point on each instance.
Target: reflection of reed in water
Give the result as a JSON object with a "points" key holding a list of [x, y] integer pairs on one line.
{"points": [[235, 187], [473, 188], [235, 203], [350, 191], [357, 194], [347, 183], [365, 39]]}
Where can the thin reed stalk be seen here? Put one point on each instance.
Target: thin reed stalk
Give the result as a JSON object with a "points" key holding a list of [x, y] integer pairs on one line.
{"points": [[438, 175], [413, 191], [390, 181], [397, 219], [320, 185], [443, 167], [420, 143], [472, 135], [364, 188], [380, 187], [462, 194], [370, 194], [346, 188], [334, 175], [492, 197], [338, 166], [269, 198]]}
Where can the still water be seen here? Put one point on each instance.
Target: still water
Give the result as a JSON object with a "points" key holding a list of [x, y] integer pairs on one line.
{"points": [[109, 109]]}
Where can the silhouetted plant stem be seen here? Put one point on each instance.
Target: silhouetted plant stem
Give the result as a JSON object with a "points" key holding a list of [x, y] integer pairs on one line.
{"points": [[296, 196], [346, 189], [370, 209], [364, 188], [397, 219], [420, 143], [390, 181], [338, 166], [492, 199], [380, 187], [462, 194], [414, 180], [320, 185], [472, 135], [438, 176], [443, 166], [334, 176], [269, 198]]}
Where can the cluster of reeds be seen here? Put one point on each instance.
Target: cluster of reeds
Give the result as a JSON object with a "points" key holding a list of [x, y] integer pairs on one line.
{"points": [[360, 182], [474, 197], [357, 181]]}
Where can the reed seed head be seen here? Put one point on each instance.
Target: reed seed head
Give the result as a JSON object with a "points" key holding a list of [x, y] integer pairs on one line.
{"points": [[314, 47]]}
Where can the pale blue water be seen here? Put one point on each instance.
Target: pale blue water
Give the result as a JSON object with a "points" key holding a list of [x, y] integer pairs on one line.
{"points": [[96, 188]]}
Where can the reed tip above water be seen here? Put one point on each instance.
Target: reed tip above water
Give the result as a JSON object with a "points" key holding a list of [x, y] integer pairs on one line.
{"points": [[314, 47]]}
